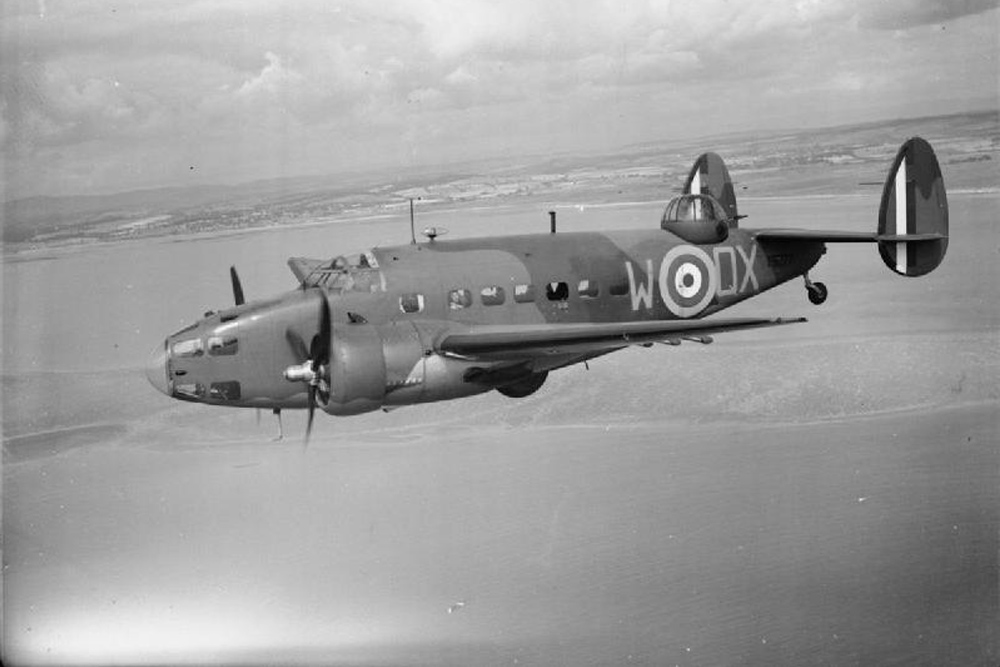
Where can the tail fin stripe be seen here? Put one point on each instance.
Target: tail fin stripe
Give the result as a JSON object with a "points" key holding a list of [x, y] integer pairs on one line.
{"points": [[901, 216]]}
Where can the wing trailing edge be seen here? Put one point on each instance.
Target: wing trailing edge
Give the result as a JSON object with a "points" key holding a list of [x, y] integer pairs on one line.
{"points": [[508, 342]]}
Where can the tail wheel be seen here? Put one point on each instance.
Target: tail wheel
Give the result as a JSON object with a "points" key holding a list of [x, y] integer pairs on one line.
{"points": [[817, 293]]}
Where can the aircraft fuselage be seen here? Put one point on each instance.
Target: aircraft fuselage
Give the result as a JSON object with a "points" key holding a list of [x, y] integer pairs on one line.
{"points": [[445, 319], [407, 295]]}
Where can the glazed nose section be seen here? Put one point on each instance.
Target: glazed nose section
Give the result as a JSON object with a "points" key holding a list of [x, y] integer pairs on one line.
{"points": [[156, 369]]}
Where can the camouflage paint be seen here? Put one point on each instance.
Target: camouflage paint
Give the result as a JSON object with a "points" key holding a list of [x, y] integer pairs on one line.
{"points": [[445, 319]]}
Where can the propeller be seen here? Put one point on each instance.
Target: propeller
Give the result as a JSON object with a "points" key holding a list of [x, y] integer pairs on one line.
{"points": [[314, 369], [237, 287]]}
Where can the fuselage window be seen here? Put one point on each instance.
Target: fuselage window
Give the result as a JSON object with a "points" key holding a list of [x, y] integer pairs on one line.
{"points": [[492, 296], [524, 293], [618, 288], [191, 347], [587, 289], [411, 303], [558, 291], [222, 345], [459, 298]]}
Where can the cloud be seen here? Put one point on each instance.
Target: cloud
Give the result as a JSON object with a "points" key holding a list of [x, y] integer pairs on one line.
{"points": [[274, 79], [911, 13], [360, 82]]}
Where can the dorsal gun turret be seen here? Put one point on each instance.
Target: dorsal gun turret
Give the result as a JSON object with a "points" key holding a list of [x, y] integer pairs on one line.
{"points": [[698, 219]]}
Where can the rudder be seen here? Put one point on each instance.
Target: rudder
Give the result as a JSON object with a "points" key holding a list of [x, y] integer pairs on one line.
{"points": [[709, 176], [913, 215]]}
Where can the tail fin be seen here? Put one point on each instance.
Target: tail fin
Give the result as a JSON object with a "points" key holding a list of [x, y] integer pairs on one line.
{"points": [[913, 218], [709, 176]]}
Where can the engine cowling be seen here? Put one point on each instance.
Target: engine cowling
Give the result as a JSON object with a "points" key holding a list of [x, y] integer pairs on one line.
{"points": [[357, 372], [372, 367]]}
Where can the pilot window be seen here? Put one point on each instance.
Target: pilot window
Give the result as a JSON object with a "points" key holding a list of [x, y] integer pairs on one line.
{"points": [[193, 390], [222, 345], [558, 291], [411, 303], [524, 293], [587, 289], [191, 347], [492, 296], [459, 298]]}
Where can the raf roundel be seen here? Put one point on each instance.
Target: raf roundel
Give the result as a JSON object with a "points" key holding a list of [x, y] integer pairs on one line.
{"points": [[687, 280]]}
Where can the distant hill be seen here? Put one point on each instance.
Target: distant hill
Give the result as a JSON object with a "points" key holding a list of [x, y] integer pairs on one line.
{"points": [[793, 162]]}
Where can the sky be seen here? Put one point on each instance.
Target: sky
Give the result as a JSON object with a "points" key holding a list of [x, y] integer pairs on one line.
{"points": [[108, 96]]}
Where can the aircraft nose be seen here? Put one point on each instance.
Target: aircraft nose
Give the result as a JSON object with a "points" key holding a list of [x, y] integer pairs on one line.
{"points": [[156, 368]]}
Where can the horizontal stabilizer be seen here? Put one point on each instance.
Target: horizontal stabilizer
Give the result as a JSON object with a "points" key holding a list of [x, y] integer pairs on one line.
{"points": [[910, 238], [816, 235], [832, 236], [912, 231]]}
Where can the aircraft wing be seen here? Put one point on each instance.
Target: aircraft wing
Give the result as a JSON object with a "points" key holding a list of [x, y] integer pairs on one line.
{"points": [[833, 236], [518, 342]]}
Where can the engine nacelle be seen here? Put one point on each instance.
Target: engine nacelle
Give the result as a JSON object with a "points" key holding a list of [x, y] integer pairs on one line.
{"points": [[372, 367], [525, 386], [357, 370]]}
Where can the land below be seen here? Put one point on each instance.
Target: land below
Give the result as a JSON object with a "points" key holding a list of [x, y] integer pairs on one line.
{"points": [[823, 493], [832, 161]]}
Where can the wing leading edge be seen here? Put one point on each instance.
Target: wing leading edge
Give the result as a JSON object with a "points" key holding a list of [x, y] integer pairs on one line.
{"points": [[503, 342]]}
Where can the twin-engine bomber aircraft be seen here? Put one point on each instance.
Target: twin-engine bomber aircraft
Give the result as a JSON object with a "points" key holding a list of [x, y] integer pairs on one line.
{"points": [[441, 319]]}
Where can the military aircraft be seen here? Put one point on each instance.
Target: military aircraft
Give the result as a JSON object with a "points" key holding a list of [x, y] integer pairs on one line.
{"points": [[441, 320]]}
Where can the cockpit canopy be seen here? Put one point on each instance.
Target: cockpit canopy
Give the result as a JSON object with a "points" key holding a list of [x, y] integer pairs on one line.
{"points": [[696, 219], [357, 273]]}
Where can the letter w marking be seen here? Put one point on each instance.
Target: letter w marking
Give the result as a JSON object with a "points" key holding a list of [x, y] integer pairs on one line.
{"points": [[641, 293]]}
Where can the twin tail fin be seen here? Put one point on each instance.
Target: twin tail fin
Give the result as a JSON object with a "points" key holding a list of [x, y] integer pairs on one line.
{"points": [[913, 217]]}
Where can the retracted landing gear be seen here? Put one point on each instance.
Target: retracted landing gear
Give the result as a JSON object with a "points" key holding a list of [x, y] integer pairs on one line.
{"points": [[817, 291]]}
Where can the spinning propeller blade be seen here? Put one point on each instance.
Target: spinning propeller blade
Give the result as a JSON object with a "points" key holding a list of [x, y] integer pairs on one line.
{"points": [[237, 287], [312, 413], [319, 354], [314, 361]]}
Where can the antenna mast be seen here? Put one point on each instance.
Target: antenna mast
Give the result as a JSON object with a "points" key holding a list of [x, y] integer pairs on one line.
{"points": [[413, 234]]}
